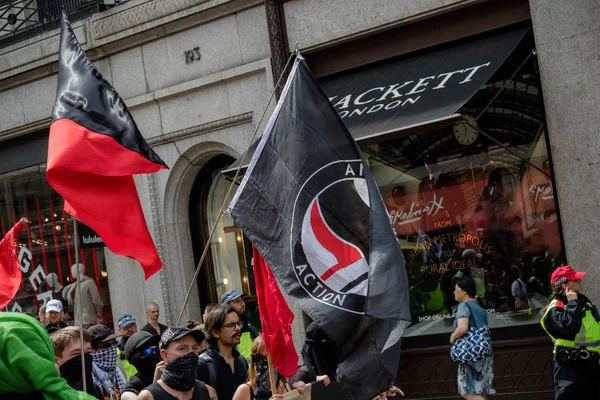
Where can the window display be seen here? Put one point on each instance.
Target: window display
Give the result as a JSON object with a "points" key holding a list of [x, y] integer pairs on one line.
{"points": [[46, 248], [476, 199]]}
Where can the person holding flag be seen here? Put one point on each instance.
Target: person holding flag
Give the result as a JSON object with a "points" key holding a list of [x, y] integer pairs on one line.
{"points": [[320, 223]]}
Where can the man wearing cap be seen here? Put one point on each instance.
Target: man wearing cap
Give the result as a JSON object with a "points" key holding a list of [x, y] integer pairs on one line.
{"points": [[127, 327], [573, 324], [179, 349], [142, 353], [54, 314], [249, 332], [106, 376]]}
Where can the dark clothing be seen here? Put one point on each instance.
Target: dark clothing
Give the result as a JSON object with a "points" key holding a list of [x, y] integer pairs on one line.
{"points": [[303, 374], [53, 328], [200, 392], [248, 327], [22, 396], [227, 381], [573, 379], [149, 328], [136, 384]]}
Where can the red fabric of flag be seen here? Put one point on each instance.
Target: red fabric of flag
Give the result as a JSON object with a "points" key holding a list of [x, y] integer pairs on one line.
{"points": [[275, 317], [95, 148], [10, 272]]}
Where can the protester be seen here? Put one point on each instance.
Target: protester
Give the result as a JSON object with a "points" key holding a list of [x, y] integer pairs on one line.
{"points": [[42, 315], [67, 355], [179, 348], [475, 380], [207, 309], [54, 315], [221, 365], [127, 327], [91, 303], [249, 332], [142, 353], [573, 324], [259, 383], [153, 326], [107, 377], [27, 365]]}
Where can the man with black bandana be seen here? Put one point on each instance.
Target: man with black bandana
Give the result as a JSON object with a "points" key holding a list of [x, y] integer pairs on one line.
{"points": [[142, 352], [179, 349]]}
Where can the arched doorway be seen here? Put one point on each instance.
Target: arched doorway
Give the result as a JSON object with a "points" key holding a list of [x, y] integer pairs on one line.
{"points": [[228, 264]]}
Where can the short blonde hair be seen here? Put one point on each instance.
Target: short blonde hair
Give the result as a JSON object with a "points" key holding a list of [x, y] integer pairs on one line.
{"points": [[65, 336]]}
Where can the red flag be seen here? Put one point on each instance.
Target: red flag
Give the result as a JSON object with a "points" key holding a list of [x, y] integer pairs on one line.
{"points": [[10, 272], [94, 150], [275, 317]]}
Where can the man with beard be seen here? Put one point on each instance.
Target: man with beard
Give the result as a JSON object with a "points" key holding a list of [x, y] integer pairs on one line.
{"points": [[127, 327], [108, 379], [54, 314], [142, 353], [28, 369], [249, 332], [179, 348], [67, 356], [221, 365]]}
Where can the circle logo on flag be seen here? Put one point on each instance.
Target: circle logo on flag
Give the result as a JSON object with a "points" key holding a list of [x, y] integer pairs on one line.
{"points": [[331, 236]]}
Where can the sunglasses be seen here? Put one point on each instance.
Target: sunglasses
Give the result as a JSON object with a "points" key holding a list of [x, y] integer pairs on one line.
{"points": [[149, 351]]}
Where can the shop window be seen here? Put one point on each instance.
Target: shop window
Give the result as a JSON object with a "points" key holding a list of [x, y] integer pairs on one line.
{"points": [[463, 203], [48, 242]]}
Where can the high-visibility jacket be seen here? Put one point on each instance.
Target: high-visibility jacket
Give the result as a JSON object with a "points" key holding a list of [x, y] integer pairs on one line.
{"points": [[124, 365], [589, 334]]}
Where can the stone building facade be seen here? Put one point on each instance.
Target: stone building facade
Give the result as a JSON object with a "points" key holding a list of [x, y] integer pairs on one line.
{"points": [[197, 76]]}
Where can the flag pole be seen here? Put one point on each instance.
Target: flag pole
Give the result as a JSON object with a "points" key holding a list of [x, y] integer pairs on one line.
{"points": [[271, 374], [237, 173], [78, 293]]}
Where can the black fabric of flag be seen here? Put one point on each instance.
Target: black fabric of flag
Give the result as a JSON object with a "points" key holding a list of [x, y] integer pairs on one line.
{"points": [[311, 207]]}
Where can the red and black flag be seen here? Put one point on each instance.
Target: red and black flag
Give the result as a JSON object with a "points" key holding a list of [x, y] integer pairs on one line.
{"points": [[94, 150], [311, 207]]}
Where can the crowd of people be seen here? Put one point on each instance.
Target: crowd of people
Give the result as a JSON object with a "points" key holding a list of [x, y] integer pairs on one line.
{"points": [[221, 357]]}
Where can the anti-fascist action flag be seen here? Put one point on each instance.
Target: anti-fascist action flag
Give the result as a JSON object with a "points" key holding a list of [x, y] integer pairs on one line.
{"points": [[275, 318], [10, 272], [311, 207], [94, 149]]}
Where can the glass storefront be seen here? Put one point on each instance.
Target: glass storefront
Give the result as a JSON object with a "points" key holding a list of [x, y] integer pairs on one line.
{"points": [[46, 247], [465, 204]]}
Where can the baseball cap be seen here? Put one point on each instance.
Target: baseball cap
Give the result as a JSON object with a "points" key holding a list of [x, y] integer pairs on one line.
{"points": [[125, 320], [100, 333], [563, 274], [230, 296], [137, 342], [171, 334], [54, 305]]}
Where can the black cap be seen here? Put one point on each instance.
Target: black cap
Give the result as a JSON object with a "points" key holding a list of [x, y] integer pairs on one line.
{"points": [[101, 333], [171, 334], [137, 342]]}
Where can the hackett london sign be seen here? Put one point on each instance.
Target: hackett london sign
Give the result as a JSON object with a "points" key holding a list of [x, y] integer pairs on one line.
{"points": [[417, 89]]}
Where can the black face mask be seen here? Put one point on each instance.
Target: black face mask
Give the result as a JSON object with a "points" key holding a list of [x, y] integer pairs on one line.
{"points": [[147, 366], [71, 372], [181, 373]]}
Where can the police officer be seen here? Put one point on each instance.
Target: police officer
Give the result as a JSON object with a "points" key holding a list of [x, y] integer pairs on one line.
{"points": [[573, 323]]}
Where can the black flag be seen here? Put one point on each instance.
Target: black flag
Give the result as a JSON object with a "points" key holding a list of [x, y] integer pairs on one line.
{"points": [[311, 207]]}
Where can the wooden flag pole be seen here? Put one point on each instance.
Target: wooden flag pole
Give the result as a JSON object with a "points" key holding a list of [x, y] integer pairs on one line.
{"points": [[80, 314], [271, 374]]}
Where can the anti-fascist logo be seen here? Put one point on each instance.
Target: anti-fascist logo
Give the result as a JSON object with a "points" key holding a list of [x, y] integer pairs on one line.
{"points": [[331, 235]]}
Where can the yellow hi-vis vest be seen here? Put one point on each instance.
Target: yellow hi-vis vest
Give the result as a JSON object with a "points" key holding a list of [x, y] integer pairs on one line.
{"points": [[589, 334], [124, 365]]}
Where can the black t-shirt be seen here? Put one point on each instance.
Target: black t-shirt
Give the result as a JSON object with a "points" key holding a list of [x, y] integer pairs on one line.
{"points": [[227, 381], [136, 384], [200, 392], [53, 328], [150, 329]]}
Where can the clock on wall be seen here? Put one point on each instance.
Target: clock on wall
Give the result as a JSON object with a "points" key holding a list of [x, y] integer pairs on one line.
{"points": [[464, 133]]}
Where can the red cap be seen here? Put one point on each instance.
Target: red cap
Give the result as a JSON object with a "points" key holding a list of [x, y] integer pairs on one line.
{"points": [[563, 274]]}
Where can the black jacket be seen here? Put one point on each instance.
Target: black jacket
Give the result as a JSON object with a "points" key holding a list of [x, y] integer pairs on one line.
{"points": [[150, 329], [227, 381], [564, 321]]}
